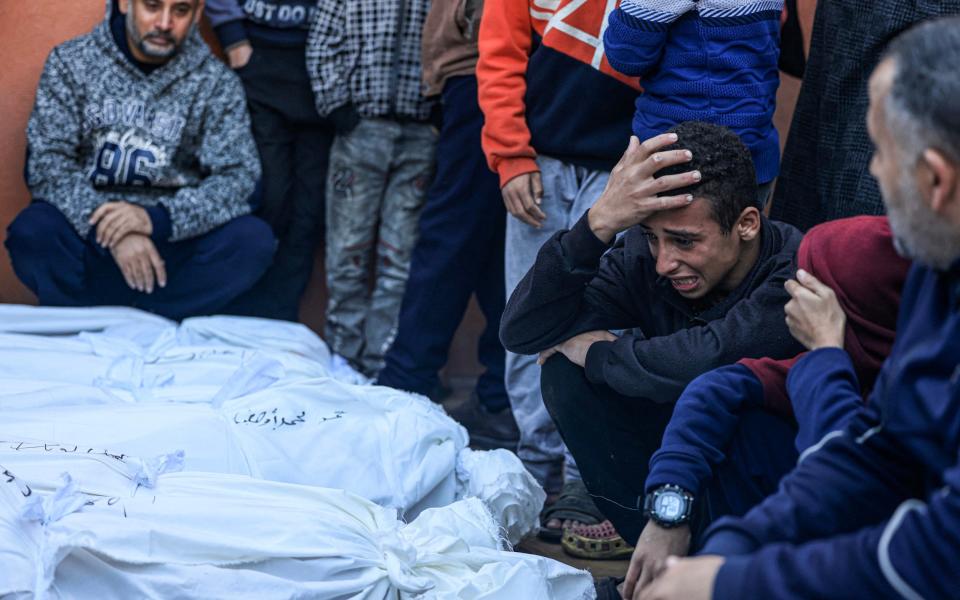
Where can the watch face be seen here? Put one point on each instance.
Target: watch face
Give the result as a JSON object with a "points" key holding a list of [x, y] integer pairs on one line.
{"points": [[669, 506]]}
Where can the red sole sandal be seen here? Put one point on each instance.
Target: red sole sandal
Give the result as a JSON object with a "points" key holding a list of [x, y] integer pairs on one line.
{"points": [[595, 542]]}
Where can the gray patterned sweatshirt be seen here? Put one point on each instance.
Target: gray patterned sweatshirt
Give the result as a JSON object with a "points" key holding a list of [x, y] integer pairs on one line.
{"points": [[102, 131]]}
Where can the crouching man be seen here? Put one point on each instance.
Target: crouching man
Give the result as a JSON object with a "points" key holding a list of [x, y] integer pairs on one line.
{"points": [[140, 165], [873, 510], [698, 278]]}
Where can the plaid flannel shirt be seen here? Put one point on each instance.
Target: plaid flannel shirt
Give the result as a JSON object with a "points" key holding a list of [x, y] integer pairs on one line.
{"points": [[367, 53]]}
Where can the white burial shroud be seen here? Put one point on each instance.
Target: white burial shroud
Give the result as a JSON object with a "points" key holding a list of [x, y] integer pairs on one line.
{"points": [[203, 535], [143, 387]]}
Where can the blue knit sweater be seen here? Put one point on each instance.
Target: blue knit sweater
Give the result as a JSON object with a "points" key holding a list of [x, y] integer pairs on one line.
{"points": [[703, 60]]}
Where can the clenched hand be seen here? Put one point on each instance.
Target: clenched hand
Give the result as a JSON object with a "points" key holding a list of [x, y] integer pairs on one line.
{"points": [[239, 55], [814, 314], [576, 348], [631, 193], [684, 579]]}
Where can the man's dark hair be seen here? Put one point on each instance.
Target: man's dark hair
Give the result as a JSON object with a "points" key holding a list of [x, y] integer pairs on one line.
{"points": [[729, 179], [922, 104]]}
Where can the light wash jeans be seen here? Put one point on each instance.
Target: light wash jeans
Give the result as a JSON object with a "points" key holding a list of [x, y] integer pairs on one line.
{"points": [[568, 191], [376, 187]]}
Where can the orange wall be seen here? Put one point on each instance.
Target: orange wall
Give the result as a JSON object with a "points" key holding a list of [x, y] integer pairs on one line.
{"points": [[28, 31]]}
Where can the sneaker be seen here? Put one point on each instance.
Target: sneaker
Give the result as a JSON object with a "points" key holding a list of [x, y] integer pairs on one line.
{"points": [[487, 430], [439, 393]]}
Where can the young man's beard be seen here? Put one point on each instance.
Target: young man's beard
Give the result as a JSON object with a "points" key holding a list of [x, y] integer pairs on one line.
{"points": [[919, 233]]}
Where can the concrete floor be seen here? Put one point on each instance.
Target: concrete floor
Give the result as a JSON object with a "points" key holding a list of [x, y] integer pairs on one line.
{"points": [[598, 568], [461, 388]]}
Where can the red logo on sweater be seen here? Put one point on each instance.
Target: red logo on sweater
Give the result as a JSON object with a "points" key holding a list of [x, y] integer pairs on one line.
{"points": [[575, 27]]}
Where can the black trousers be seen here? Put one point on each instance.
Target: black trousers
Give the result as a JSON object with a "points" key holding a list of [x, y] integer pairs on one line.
{"points": [[294, 144], [612, 438], [459, 253]]}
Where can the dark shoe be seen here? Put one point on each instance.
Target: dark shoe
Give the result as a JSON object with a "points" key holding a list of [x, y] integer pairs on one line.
{"points": [[573, 504], [488, 431], [439, 393]]}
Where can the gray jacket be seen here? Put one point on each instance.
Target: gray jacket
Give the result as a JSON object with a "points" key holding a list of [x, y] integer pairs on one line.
{"points": [[102, 131]]}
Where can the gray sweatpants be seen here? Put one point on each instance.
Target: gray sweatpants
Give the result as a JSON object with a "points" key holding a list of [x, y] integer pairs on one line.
{"points": [[376, 186], [568, 191]]}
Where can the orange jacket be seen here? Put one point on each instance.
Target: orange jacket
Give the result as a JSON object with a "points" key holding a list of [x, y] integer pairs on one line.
{"points": [[571, 27]]}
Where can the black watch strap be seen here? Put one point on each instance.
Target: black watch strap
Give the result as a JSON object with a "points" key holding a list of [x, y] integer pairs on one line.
{"points": [[668, 505]]}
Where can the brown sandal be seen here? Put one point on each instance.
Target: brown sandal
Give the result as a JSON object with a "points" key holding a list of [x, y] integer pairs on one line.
{"points": [[595, 542], [573, 504]]}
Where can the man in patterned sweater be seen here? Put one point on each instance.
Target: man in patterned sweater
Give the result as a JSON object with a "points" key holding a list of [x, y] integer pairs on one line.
{"points": [[140, 165]]}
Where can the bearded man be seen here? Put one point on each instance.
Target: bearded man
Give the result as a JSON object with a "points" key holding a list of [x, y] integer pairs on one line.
{"points": [[141, 165]]}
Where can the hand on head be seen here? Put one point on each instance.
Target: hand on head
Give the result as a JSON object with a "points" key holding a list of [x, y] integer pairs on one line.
{"points": [[631, 195]]}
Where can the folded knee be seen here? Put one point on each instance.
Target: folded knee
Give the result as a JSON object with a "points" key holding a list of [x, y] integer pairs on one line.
{"points": [[35, 230], [559, 378], [252, 241]]}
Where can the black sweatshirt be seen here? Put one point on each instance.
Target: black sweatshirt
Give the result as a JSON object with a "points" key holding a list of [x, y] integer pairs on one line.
{"points": [[574, 287]]}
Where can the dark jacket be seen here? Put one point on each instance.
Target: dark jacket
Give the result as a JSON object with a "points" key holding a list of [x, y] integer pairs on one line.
{"points": [[824, 393], [825, 173], [277, 23], [875, 510], [573, 287]]}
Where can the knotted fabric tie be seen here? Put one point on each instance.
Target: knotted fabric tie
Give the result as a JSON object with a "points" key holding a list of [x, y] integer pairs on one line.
{"points": [[400, 559], [66, 499]]}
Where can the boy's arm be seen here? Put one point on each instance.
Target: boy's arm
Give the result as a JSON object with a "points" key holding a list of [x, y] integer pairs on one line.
{"points": [[505, 42], [227, 19], [703, 423], [825, 394], [331, 56], [637, 31], [573, 287]]}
